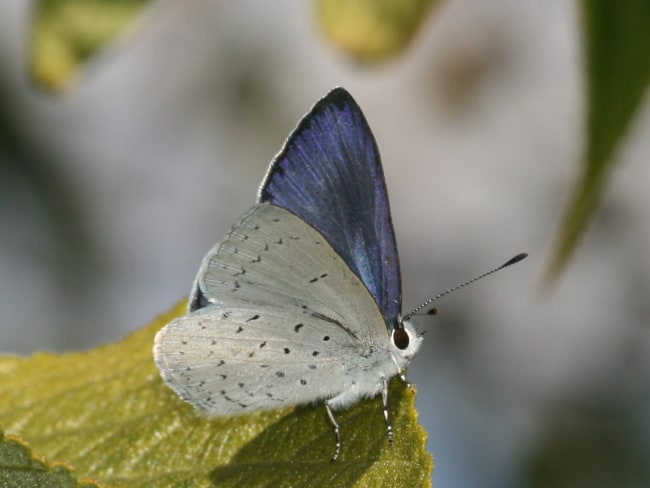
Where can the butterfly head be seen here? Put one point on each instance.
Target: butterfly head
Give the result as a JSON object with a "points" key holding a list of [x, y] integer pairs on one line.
{"points": [[405, 342]]}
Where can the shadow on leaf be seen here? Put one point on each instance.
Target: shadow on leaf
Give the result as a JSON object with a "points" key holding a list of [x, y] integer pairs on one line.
{"points": [[297, 450]]}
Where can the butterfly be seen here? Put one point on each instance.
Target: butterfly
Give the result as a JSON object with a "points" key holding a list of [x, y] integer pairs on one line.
{"points": [[301, 301]]}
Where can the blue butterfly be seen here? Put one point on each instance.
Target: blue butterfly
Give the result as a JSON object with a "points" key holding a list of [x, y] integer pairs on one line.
{"points": [[301, 300]]}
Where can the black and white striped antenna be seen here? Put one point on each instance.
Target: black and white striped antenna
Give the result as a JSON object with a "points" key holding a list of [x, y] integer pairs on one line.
{"points": [[415, 311]]}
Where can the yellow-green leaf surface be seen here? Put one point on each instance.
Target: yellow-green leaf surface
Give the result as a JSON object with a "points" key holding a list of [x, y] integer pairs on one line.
{"points": [[20, 468], [372, 30], [108, 414], [65, 34], [617, 51]]}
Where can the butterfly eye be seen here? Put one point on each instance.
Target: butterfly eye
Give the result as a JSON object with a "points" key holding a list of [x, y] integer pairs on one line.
{"points": [[401, 338]]}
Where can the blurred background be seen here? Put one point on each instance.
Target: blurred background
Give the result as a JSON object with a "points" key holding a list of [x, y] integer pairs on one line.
{"points": [[111, 194]]}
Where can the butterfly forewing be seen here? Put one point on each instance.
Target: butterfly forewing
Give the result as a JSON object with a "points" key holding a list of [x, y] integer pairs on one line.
{"points": [[329, 173], [278, 295]]}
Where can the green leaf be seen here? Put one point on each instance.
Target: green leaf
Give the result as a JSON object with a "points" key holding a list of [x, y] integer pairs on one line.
{"points": [[372, 30], [19, 468], [65, 34], [107, 413], [617, 50]]}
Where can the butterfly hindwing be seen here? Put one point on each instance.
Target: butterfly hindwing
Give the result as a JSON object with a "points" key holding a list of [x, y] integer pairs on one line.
{"points": [[329, 173]]}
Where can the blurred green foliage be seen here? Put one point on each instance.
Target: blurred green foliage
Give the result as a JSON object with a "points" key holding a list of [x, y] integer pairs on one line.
{"points": [[67, 34], [616, 39], [372, 30], [20, 468]]}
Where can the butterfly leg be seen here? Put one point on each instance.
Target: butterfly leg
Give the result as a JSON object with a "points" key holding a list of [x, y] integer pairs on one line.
{"points": [[336, 432], [384, 397], [409, 385]]}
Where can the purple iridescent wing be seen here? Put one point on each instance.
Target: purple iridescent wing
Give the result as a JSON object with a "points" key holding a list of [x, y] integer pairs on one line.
{"points": [[329, 174]]}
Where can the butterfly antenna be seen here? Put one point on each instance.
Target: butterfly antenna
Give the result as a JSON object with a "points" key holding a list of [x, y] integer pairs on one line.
{"points": [[514, 260]]}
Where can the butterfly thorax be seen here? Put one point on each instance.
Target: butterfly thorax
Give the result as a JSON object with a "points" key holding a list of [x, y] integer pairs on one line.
{"points": [[376, 366]]}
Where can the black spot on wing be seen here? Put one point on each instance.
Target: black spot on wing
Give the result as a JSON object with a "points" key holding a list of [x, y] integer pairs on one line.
{"points": [[314, 280]]}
